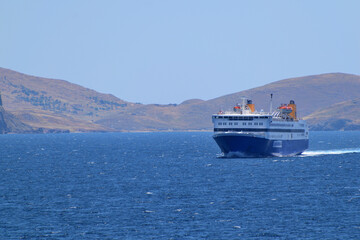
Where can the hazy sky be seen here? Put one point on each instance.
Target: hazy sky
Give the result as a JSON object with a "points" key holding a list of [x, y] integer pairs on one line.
{"points": [[170, 51]]}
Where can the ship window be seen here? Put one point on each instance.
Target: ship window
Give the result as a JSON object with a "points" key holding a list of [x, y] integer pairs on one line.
{"points": [[256, 123], [260, 123], [219, 123], [220, 117], [249, 123], [230, 123], [236, 123], [244, 123], [224, 123]]}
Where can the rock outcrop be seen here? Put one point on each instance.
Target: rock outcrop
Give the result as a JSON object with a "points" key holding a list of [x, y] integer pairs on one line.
{"points": [[10, 124]]}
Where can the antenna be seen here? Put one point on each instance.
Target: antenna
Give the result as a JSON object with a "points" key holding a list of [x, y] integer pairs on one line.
{"points": [[271, 95]]}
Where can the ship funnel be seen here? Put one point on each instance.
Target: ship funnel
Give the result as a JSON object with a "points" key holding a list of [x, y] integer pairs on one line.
{"points": [[250, 105], [293, 107]]}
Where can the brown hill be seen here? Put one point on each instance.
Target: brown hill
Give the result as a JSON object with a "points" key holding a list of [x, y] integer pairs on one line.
{"points": [[57, 104], [339, 116], [48, 103], [311, 93]]}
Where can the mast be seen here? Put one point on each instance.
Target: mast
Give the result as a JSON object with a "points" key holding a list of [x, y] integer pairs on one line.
{"points": [[271, 95]]}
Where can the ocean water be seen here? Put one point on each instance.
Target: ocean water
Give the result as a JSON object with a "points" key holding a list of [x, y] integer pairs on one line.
{"points": [[173, 186]]}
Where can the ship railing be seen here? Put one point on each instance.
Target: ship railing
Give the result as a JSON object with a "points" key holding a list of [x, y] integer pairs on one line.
{"points": [[280, 119], [239, 113]]}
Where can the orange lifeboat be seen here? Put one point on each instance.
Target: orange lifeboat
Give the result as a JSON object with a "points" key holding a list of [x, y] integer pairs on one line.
{"points": [[237, 108], [285, 109]]}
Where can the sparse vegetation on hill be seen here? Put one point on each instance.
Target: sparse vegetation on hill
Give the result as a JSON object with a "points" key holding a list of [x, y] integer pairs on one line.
{"points": [[339, 116]]}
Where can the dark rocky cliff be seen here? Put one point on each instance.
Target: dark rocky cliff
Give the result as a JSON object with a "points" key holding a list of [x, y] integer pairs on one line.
{"points": [[10, 124], [3, 125]]}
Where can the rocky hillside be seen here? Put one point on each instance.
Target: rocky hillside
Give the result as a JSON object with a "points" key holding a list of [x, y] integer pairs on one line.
{"points": [[56, 104], [339, 116], [10, 124]]}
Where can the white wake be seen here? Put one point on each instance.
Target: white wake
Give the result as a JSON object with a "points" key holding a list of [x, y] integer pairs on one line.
{"points": [[330, 152]]}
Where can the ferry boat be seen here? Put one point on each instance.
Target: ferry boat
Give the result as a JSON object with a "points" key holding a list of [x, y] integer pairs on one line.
{"points": [[244, 132]]}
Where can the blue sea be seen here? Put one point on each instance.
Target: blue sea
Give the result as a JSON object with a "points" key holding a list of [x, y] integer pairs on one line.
{"points": [[174, 186]]}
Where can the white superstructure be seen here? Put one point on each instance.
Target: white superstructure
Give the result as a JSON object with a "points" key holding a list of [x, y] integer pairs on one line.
{"points": [[280, 127]]}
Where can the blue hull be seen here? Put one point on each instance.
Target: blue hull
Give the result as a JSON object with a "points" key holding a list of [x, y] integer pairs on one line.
{"points": [[250, 146]]}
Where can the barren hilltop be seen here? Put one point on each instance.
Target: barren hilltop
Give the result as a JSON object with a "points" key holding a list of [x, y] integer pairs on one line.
{"points": [[327, 101]]}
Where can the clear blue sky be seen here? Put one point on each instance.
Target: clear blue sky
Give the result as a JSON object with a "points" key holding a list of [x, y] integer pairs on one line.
{"points": [[170, 51]]}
